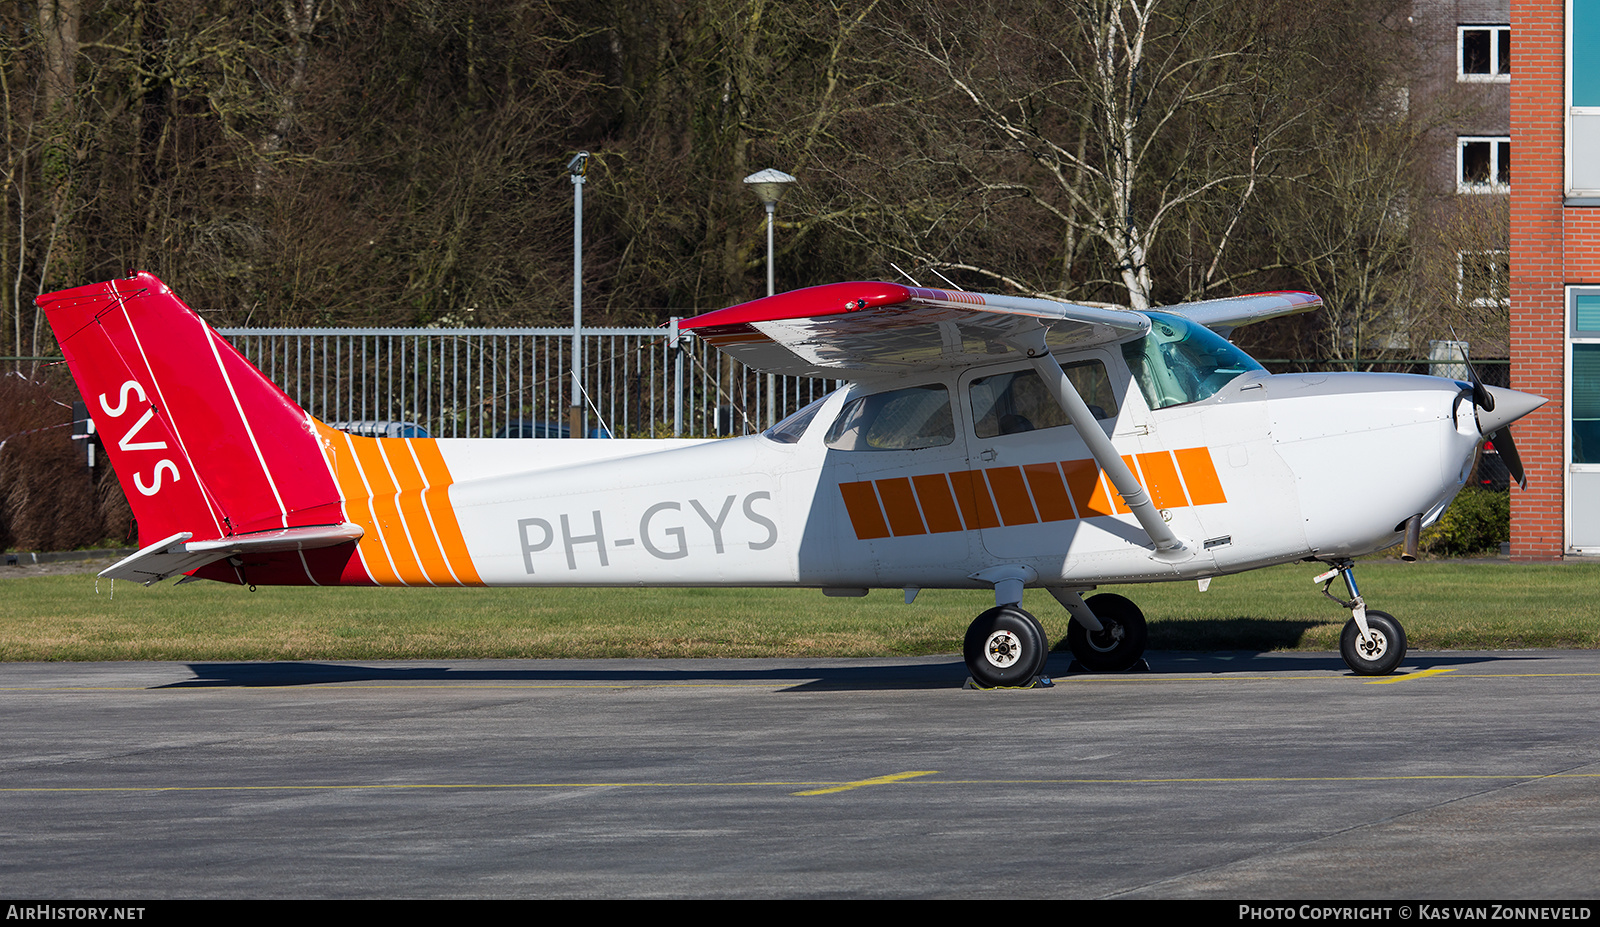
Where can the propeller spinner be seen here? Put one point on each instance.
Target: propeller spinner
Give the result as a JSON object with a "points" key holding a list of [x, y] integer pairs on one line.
{"points": [[1497, 408]]}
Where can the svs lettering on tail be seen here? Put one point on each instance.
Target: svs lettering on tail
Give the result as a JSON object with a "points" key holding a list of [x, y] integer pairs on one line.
{"points": [[128, 443]]}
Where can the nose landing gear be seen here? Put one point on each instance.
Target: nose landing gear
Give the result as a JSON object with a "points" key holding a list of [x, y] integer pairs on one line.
{"points": [[1373, 643]]}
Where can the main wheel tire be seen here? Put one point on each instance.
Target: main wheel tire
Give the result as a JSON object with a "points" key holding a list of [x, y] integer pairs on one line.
{"points": [[1378, 656], [1005, 646], [1119, 643], [1044, 644]]}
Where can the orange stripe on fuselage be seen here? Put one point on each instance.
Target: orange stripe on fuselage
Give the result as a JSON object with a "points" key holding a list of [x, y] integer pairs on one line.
{"points": [[386, 511], [1049, 493], [437, 500], [346, 472], [1200, 476], [972, 495], [413, 517], [1088, 489], [397, 490], [900, 506], [1023, 495], [1011, 495], [1160, 476], [862, 503], [938, 506]]}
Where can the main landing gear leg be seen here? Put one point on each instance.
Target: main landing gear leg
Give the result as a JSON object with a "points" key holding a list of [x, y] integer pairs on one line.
{"points": [[1006, 646], [1373, 643], [1107, 634]]}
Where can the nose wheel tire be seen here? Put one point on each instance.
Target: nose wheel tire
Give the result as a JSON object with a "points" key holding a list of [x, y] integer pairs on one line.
{"points": [[1379, 654], [1005, 646], [1119, 643]]}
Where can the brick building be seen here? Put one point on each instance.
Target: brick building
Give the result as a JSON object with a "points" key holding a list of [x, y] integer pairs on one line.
{"points": [[1555, 275], [1461, 87]]}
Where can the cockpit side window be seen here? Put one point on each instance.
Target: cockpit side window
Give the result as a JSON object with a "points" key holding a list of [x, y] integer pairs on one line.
{"points": [[1180, 361], [1012, 403], [898, 420]]}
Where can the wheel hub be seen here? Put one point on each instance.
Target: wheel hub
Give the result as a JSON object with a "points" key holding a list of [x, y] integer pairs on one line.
{"points": [[1374, 646], [1108, 637], [1003, 649]]}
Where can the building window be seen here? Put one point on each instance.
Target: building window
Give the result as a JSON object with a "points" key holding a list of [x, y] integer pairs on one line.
{"points": [[1483, 53], [1483, 165], [1583, 100], [1483, 278]]}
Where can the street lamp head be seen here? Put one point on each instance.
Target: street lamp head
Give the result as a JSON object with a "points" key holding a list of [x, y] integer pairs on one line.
{"points": [[768, 185]]}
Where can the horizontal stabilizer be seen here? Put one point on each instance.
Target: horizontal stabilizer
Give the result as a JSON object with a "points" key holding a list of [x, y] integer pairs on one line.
{"points": [[177, 554]]}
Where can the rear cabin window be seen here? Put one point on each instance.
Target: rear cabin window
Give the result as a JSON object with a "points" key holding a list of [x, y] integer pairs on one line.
{"points": [[898, 420], [793, 428], [1017, 402]]}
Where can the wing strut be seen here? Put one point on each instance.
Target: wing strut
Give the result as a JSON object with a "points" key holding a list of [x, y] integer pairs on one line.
{"points": [[1169, 547]]}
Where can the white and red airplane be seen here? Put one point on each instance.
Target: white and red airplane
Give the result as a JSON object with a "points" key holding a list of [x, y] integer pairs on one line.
{"points": [[983, 441]]}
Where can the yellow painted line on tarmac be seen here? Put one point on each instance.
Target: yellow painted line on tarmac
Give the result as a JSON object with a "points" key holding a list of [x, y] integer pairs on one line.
{"points": [[1404, 677], [1323, 676], [879, 780], [406, 786], [1471, 675], [822, 787], [1255, 780]]}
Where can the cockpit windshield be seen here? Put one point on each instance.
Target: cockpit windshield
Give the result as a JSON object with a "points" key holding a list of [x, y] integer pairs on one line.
{"points": [[1181, 361]]}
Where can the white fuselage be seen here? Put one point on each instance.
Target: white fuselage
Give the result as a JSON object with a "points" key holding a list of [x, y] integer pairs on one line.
{"points": [[1270, 469]]}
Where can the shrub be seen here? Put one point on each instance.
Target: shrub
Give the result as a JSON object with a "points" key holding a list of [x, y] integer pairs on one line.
{"points": [[48, 499], [1478, 520]]}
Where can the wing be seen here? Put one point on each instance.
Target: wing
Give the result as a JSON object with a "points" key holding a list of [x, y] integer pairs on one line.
{"points": [[859, 330], [1224, 315]]}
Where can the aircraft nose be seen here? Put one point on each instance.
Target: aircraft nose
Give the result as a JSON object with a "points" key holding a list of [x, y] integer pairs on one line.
{"points": [[1509, 405]]}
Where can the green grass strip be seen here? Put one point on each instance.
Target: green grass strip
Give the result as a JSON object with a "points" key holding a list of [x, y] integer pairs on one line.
{"points": [[1443, 605]]}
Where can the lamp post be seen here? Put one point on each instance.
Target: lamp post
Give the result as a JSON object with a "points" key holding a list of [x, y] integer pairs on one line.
{"points": [[577, 168], [768, 186]]}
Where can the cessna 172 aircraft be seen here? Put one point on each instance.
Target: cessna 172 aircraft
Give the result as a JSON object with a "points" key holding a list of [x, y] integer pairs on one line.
{"points": [[983, 441]]}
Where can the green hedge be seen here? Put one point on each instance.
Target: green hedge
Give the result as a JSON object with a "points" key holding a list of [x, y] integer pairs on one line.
{"points": [[1478, 520]]}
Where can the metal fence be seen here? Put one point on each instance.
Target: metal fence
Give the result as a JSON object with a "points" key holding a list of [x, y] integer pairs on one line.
{"points": [[483, 382], [469, 383]]}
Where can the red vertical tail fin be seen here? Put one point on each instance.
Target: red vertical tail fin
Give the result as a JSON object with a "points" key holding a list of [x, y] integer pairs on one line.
{"points": [[201, 441]]}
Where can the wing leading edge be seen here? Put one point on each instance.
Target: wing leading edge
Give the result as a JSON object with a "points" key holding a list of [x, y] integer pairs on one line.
{"points": [[862, 330], [1224, 315], [858, 331]]}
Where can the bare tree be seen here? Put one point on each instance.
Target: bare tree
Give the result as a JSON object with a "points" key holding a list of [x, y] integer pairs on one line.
{"points": [[1346, 225]]}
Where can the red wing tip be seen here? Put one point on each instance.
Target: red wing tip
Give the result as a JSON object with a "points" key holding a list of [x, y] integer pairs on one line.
{"points": [[811, 302]]}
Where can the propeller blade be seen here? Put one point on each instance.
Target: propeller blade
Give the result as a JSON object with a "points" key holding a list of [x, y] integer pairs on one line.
{"points": [[1481, 397], [1509, 456]]}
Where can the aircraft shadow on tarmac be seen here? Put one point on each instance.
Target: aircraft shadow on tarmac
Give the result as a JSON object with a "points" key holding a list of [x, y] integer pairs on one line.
{"points": [[943, 674], [867, 675]]}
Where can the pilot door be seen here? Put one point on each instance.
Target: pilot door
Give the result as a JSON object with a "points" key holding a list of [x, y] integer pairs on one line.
{"points": [[895, 456], [1034, 489]]}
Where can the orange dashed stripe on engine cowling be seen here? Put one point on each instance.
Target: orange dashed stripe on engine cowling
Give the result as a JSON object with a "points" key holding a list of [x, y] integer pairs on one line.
{"points": [[1010, 496]]}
